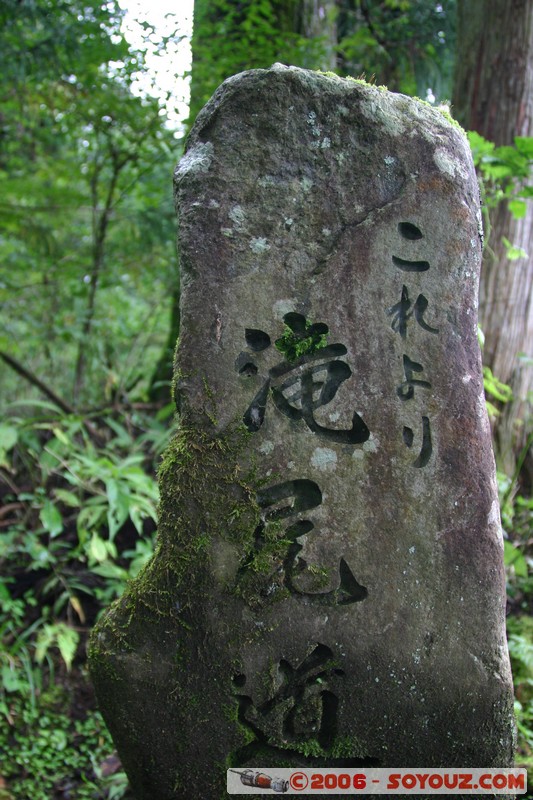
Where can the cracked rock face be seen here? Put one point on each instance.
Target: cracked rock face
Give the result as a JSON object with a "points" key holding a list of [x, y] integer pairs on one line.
{"points": [[329, 588]]}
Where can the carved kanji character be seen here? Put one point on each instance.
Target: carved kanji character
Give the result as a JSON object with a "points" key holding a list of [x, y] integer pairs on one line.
{"points": [[406, 389], [411, 232], [303, 707], [427, 446], [401, 313], [309, 385], [289, 499]]}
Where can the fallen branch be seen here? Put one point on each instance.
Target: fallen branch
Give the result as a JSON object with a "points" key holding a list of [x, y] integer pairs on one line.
{"points": [[21, 370]]}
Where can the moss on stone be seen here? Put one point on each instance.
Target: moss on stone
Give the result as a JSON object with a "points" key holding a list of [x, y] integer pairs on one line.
{"points": [[347, 747], [448, 117], [204, 493], [295, 344], [208, 490], [443, 111], [360, 81]]}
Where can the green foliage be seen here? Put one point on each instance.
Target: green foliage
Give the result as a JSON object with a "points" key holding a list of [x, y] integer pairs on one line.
{"points": [[57, 634], [503, 164], [505, 172], [85, 494], [517, 522], [64, 531], [87, 270], [44, 38], [407, 45], [87, 252], [81, 503], [46, 753], [404, 44], [516, 513], [231, 37], [496, 390], [520, 638]]}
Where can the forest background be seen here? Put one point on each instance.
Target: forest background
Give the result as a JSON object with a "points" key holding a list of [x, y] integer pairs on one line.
{"points": [[89, 287]]}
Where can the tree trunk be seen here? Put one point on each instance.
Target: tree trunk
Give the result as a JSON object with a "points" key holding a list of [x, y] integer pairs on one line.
{"points": [[319, 22], [494, 96]]}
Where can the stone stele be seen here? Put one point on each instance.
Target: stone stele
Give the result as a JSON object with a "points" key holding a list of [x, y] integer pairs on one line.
{"points": [[328, 586]]}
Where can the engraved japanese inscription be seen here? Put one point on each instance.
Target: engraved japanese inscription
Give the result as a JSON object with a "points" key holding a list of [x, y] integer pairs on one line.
{"points": [[328, 587]]}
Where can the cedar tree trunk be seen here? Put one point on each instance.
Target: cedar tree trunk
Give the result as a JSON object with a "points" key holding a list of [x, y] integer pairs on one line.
{"points": [[494, 96]]}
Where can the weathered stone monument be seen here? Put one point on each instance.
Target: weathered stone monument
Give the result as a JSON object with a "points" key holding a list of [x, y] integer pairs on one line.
{"points": [[328, 585]]}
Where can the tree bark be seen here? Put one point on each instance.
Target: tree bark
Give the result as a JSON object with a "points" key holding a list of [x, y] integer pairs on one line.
{"points": [[494, 96], [319, 22]]}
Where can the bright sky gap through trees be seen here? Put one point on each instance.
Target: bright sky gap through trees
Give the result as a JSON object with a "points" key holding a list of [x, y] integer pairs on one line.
{"points": [[166, 77]]}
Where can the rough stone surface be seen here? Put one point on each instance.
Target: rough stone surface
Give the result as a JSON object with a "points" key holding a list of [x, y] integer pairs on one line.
{"points": [[328, 587]]}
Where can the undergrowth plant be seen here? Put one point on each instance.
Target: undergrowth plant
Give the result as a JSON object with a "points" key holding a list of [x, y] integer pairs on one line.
{"points": [[46, 754], [505, 171], [516, 508], [79, 502]]}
